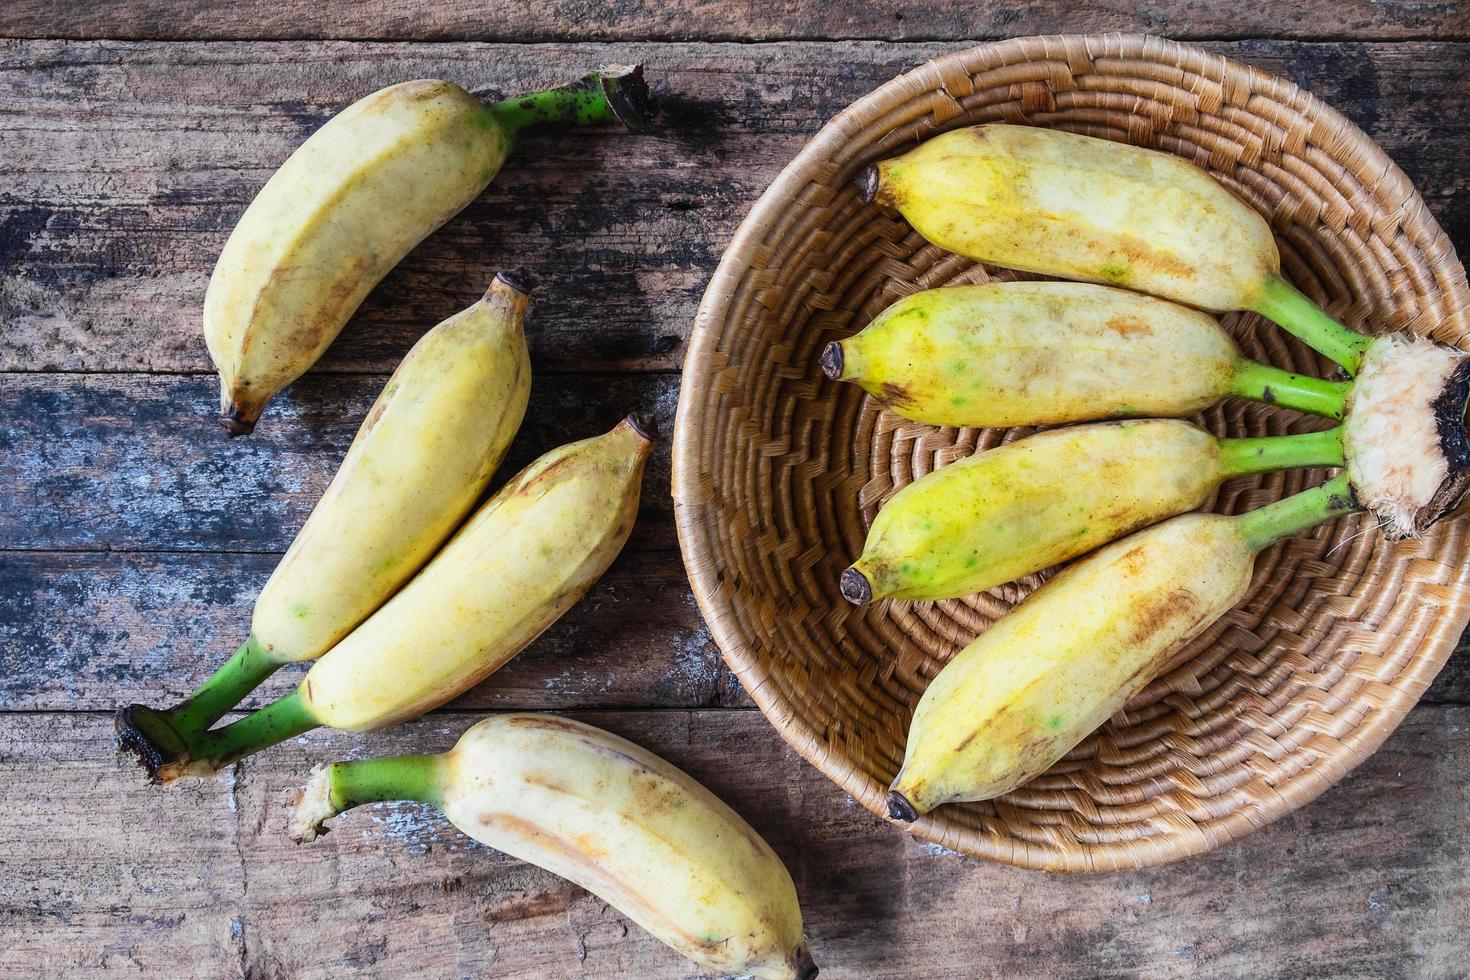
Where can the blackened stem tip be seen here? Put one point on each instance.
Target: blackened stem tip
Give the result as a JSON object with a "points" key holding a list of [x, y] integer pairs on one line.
{"points": [[517, 279], [130, 723], [832, 360], [855, 587], [867, 183], [236, 424], [899, 808], [627, 94], [806, 967], [644, 424]]}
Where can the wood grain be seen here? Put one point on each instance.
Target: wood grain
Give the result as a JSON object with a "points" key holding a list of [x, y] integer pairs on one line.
{"points": [[94, 631], [1372, 879], [133, 537], [124, 166], [137, 462], [83, 631], [525, 20]]}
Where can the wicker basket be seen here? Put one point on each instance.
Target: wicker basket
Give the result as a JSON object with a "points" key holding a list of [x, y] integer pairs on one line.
{"points": [[778, 471]]}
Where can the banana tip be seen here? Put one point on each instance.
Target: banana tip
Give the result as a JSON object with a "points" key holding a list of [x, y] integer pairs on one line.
{"points": [[855, 587], [644, 424], [867, 183], [805, 966], [236, 424], [899, 807], [832, 360], [517, 279]]}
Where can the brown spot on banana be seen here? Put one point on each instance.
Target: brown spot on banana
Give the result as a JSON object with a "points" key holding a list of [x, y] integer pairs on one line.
{"points": [[1130, 326], [896, 395]]}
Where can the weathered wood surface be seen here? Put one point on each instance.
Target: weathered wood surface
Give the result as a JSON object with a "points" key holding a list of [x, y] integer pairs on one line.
{"points": [[126, 165], [92, 631], [136, 462], [85, 631], [1371, 880], [527, 20], [133, 537]]}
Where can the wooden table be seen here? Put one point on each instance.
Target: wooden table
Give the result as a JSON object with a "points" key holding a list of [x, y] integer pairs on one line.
{"points": [[135, 536]]}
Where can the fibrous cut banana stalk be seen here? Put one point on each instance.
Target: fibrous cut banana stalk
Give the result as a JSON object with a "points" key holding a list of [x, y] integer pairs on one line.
{"points": [[1045, 675], [1057, 203], [1404, 437], [417, 466], [520, 562], [1039, 353], [607, 815], [1021, 507], [351, 202]]}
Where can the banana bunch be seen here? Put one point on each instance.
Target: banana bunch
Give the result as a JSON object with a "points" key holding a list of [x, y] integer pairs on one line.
{"points": [[352, 201], [607, 815], [1035, 683], [524, 558], [1061, 204], [417, 466]]}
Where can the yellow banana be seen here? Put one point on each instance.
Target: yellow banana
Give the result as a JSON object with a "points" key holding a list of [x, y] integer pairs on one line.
{"points": [[520, 562], [1048, 201], [1042, 677], [351, 202], [1039, 353], [607, 815], [417, 466], [1028, 505]]}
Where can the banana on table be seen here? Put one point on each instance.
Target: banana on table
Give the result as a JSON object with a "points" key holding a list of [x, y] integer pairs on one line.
{"points": [[352, 201], [608, 815], [524, 558]]}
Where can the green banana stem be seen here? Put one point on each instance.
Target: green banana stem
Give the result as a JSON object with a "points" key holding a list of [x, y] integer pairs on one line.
{"points": [[1265, 383], [1298, 512], [599, 97], [227, 687], [400, 777], [1284, 304], [276, 722], [1264, 454]]}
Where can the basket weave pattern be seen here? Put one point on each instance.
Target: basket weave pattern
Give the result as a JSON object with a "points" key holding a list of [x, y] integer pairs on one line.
{"points": [[778, 471]]}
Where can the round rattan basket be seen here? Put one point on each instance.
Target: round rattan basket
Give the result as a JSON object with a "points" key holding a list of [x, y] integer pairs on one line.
{"points": [[778, 471]]}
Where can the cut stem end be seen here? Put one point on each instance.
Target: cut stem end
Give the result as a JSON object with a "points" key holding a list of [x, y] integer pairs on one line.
{"points": [[147, 736]]}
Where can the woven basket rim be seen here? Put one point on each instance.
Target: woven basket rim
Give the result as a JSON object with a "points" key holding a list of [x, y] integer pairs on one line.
{"points": [[1434, 647]]}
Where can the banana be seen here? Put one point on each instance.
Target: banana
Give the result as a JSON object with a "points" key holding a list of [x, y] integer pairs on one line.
{"points": [[1033, 685], [351, 202], [1052, 202], [607, 815], [1030, 504], [418, 464], [1039, 353], [520, 562]]}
